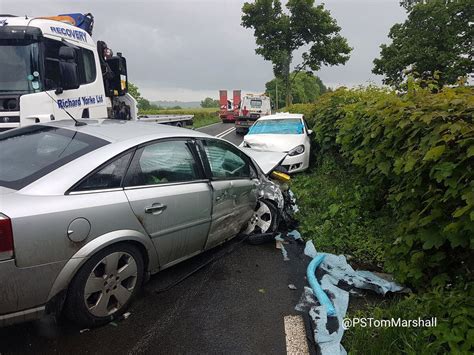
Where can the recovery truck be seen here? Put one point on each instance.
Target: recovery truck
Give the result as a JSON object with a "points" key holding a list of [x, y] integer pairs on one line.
{"points": [[252, 107], [51, 69], [229, 110]]}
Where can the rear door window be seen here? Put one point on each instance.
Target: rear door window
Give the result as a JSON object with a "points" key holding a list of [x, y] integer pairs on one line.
{"points": [[29, 153]]}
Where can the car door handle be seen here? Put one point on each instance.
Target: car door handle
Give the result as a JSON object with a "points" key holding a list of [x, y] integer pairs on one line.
{"points": [[155, 208]]}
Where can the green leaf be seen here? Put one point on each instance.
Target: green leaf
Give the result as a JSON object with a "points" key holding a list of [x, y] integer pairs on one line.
{"points": [[434, 240], [434, 153], [470, 151], [384, 167], [333, 209]]}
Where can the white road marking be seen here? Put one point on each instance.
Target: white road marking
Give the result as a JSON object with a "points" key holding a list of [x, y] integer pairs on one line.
{"points": [[295, 332], [226, 132], [209, 125]]}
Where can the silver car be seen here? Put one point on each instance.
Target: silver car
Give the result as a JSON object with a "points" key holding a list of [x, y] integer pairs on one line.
{"points": [[88, 212]]}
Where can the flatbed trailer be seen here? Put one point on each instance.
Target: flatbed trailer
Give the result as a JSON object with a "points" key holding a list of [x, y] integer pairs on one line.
{"points": [[173, 120]]}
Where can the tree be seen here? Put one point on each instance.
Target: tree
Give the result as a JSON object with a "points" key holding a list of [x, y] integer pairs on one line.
{"points": [[305, 88], [142, 103], [278, 34], [436, 37], [209, 103]]}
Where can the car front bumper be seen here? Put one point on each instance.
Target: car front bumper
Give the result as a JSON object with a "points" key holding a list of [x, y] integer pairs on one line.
{"points": [[296, 163]]}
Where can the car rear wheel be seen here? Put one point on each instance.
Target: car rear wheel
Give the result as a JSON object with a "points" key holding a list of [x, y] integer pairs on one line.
{"points": [[105, 285], [263, 223]]}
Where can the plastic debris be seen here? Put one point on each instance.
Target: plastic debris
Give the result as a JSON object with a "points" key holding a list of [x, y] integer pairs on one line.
{"points": [[84, 330], [338, 280], [292, 287], [294, 206], [295, 235], [279, 245], [113, 324], [309, 249], [261, 290], [126, 315]]}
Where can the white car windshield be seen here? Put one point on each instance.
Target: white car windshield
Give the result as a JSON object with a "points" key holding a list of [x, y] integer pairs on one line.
{"points": [[278, 126]]}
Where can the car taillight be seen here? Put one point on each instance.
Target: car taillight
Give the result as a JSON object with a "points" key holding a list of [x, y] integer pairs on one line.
{"points": [[6, 238]]}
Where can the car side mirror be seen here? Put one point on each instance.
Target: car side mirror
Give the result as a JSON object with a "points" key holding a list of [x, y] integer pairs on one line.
{"points": [[310, 132]]}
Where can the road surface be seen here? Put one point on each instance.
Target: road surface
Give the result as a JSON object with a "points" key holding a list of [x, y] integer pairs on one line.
{"points": [[235, 305], [223, 130]]}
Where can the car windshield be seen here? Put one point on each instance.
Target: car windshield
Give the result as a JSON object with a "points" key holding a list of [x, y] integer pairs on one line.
{"points": [[278, 126], [19, 69], [28, 153]]}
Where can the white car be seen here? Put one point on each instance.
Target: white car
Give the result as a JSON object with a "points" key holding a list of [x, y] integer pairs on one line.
{"points": [[282, 132]]}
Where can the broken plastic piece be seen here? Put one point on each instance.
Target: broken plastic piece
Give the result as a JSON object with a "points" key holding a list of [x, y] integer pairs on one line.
{"points": [[318, 291], [309, 249], [295, 234], [126, 315], [292, 287]]}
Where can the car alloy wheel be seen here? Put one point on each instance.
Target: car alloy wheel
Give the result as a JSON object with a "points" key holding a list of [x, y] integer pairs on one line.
{"points": [[105, 285], [262, 219], [110, 284]]}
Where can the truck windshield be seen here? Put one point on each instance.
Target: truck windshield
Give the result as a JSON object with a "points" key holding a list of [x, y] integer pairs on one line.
{"points": [[19, 69], [255, 103]]}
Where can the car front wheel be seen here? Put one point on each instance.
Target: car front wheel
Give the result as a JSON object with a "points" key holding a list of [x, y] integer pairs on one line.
{"points": [[106, 284], [263, 224]]}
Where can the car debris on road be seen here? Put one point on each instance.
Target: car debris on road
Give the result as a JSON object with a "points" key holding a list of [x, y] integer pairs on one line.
{"points": [[337, 278]]}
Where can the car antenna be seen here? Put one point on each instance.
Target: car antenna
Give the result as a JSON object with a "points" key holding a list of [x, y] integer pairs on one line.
{"points": [[77, 124]]}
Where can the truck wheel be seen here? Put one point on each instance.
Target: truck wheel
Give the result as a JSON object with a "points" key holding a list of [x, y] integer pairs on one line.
{"points": [[105, 285], [263, 223]]}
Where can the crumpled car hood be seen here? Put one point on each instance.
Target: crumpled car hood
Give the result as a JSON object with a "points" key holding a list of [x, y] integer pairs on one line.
{"points": [[267, 161], [274, 142]]}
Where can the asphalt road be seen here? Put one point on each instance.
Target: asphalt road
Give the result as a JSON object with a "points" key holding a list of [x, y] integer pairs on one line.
{"points": [[223, 130], [234, 305]]}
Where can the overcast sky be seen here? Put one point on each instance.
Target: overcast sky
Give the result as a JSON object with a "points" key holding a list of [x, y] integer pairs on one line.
{"points": [[188, 49]]}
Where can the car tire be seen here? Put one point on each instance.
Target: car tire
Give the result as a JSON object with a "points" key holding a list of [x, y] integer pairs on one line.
{"points": [[264, 223], [112, 279]]}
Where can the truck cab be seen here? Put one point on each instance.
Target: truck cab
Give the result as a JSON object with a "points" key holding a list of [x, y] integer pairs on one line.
{"points": [[252, 107], [51, 69]]}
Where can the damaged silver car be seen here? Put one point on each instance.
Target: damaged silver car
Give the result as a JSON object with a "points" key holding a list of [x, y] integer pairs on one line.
{"points": [[88, 212]]}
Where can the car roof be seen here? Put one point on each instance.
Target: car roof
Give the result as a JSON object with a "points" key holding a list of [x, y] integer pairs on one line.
{"points": [[118, 130], [281, 116]]}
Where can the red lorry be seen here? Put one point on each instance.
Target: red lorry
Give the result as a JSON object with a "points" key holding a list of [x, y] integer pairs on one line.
{"points": [[229, 110]]}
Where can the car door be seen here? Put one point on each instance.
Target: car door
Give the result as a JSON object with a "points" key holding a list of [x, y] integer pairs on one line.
{"points": [[170, 197], [234, 191]]}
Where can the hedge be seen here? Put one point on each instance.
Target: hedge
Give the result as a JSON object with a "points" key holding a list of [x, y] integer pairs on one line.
{"points": [[418, 148]]}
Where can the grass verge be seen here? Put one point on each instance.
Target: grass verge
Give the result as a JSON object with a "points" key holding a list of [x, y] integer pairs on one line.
{"points": [[344, 214], [334, 212]]}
